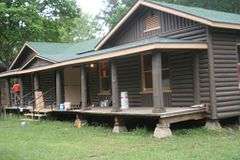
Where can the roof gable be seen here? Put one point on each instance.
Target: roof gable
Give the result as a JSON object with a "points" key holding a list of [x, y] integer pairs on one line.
{"points": [[55, 52], [204, 16], [25, 54]]}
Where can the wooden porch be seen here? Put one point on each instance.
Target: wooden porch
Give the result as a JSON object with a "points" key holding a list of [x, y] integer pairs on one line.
{"points": [[141, 111]]}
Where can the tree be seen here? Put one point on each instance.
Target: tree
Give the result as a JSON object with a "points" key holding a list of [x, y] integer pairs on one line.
{"points": [[115, 10], [40, 20]]}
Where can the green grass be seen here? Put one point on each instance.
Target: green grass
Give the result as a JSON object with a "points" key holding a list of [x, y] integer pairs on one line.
{"points": [[50, 140]]}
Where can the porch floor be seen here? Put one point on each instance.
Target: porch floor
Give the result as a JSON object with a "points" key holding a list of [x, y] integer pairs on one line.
{"points": [[143, 111], [172, 114]]}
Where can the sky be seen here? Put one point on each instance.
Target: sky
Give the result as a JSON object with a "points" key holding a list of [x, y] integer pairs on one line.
{"points": [[92, 7]]}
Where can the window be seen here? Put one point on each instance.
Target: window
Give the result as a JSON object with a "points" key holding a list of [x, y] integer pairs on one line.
{"points": [[151, 22], [104, 76], [147, 72]]}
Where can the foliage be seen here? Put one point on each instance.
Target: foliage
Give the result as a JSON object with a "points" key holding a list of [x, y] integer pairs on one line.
{"points": [[61, 141], [117, 9], [40, 20]]}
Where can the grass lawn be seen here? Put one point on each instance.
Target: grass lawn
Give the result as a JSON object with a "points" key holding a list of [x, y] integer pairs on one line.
{"points": [[48, 140]]}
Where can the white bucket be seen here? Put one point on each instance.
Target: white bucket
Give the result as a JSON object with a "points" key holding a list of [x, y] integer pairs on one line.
{"points": [[124, 100], [61, 107], [67, 105]]}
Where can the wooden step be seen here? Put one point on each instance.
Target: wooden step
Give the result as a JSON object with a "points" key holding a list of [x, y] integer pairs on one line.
{"points": [[35, 115]]}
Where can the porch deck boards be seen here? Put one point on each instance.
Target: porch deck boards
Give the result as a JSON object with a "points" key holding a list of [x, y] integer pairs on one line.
{"points": [[142, 111]]}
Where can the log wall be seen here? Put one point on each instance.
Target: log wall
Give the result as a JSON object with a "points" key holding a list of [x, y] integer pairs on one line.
{"points": [[223, 48], [129, 78], [181, 79]]}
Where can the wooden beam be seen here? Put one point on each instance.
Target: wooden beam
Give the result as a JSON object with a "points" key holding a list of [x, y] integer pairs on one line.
{"points": [[21, 90], [7, 91], [196, 80], [211, 76], [58, 88], [115, 92], [83, 87], [35, 81], [158, 105]]}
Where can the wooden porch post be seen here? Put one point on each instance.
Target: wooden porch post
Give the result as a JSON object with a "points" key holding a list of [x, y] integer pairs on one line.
{"points": [[35, 82], [196, 79], [83, 87], [58, 88], [7, 91], [115, 92], [21, 90], [158, 105]]}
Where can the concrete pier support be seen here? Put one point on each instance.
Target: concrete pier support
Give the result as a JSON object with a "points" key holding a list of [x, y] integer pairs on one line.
{"points": [[162, 130], [79, 121], [119, 125], [213, 125]]}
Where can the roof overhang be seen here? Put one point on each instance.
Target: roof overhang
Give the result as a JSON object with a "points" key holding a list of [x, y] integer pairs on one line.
{"points": [[100, 55], [167, 10]]}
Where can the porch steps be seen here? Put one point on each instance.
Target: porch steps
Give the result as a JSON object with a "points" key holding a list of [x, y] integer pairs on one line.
{"points": [[35, 115]]}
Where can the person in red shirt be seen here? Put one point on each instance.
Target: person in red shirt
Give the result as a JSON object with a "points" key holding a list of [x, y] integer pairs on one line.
{"points": [[16, 88]]}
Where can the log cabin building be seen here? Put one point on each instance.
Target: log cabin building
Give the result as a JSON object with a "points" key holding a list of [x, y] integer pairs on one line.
{"points": [[176, 63]]}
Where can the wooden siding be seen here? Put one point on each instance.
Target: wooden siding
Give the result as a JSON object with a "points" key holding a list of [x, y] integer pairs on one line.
{"points": [[47, 81], [171, 26], [224, 52], [181, 79], [38, 62]]}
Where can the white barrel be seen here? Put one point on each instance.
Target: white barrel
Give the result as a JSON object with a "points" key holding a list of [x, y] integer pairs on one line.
{"points": [[124, 100]]}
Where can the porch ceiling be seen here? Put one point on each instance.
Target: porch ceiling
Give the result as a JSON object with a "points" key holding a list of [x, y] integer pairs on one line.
{"points": [[153, 43]]}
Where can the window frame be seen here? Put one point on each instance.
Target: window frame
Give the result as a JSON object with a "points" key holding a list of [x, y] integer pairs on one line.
{"points": [[143, 79]]}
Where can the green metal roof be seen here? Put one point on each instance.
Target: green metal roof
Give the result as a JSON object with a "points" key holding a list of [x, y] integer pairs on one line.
{"points": [[152, 40], [62, 51], [212, 15]]}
